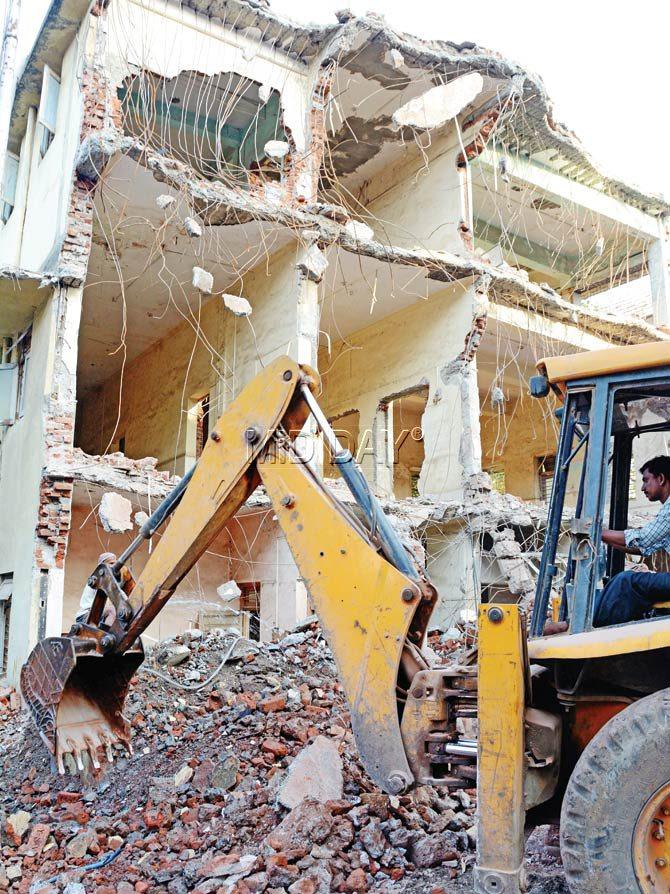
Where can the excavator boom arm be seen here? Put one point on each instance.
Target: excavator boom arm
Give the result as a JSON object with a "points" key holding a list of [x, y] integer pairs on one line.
{"points": [[374, 618]]}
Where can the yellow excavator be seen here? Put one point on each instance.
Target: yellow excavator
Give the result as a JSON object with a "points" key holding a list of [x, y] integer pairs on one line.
{"points": [[575, 722]]}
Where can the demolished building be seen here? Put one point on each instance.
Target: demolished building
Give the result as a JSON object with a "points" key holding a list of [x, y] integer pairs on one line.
{"points": [[192, 189]]}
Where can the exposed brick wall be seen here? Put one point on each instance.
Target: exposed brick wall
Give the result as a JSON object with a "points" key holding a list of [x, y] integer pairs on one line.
{"points": [[102, 109], [317, 122], [53, 523], [310, 161]]}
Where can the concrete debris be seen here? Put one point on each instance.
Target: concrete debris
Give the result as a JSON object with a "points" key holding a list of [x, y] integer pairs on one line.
{"points": [[439, 104], [314, 263], [316, 773], [395, 58], [264, 92], [17, 825], [498, 398], [115, 512], [237, 304], [203, 280], [174, 654], [192, 227], [114, 471], [140, 518], [228, 591], [358, 230], [164, 201], [198, 806], [277, 149]]}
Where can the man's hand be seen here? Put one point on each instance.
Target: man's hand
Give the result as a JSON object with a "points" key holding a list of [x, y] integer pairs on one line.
{"points": [[640, 568], [617, 539]]}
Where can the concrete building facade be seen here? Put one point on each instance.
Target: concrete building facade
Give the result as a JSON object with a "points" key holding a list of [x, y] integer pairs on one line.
{"points": [[404, 215]]}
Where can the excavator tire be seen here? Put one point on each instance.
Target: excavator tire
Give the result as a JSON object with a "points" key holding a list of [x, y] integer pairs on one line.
{"points": [[613, 837]]}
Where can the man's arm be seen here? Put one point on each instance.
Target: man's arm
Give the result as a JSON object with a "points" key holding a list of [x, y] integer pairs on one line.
{"points": [[617, 539]]}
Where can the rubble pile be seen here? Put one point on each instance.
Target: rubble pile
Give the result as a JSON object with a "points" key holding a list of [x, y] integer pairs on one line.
{"points": [[244, 778]]}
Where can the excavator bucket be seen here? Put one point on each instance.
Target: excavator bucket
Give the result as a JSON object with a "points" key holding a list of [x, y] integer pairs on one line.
{"points": [[76, 699]]}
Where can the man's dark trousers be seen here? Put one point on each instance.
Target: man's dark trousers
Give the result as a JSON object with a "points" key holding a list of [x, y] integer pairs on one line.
{"points": [[629, 596]]}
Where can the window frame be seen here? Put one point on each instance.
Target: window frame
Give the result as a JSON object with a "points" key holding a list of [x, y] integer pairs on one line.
{"points": [[43, 123], [5, 200]]}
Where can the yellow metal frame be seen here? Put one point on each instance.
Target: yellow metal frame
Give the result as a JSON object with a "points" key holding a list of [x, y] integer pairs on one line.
{"points": [[639, 636], [503, 669], [609, 361], [365, 606]]}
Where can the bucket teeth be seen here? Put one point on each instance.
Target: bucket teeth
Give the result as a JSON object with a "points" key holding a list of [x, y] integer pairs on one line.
{"points": [[85, 749]]}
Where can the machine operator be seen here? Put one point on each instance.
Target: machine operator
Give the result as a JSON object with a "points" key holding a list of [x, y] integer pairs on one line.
{"points": [[628, 596]]}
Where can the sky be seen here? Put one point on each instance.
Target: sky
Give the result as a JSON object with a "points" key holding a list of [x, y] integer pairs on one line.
{"points": [[604, 64]]}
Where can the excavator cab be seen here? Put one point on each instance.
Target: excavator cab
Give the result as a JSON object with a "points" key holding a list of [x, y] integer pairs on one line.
{"points": [[603, 691], [603, 418]]}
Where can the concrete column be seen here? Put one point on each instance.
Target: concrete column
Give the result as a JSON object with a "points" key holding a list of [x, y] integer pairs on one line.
{"points": [[451, 429], [658, 261], [311, 265], [382, 445]]}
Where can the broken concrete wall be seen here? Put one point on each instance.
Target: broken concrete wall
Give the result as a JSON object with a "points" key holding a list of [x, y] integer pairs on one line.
{"points": [[168, 40], [403, 351]]}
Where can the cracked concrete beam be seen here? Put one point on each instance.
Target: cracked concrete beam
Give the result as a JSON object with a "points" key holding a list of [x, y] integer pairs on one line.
{"points": [[218, 205]]}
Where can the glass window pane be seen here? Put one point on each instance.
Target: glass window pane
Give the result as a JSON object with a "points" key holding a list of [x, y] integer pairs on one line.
{"points": [[10, 178], [49, 101]]}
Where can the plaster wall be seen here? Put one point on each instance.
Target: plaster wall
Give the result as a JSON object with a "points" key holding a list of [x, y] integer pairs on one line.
{"points": [[403, 351], [421, 201], [51, 177], [21, 461], [11, 232], [284, 320], [512, 441]]}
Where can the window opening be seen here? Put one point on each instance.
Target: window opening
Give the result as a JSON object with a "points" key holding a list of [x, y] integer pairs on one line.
{"points": [[48, 110], [9, 182], [545, 474], [23, 361], [6, 588], [250, 606], [406, 432]]}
